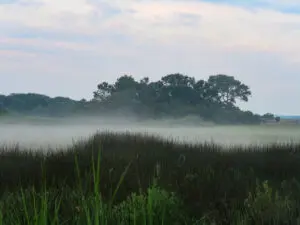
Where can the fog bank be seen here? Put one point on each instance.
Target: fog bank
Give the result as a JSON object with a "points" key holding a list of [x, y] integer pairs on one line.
{"points": [[50, 132]]}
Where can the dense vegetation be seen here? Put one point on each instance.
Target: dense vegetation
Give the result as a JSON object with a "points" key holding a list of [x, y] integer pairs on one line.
{"points": [[36, 104], [135, 179], [179, 95], [174, 95]]}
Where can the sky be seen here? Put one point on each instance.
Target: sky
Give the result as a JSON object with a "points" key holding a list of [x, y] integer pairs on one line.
{"points": [[67, 47]]}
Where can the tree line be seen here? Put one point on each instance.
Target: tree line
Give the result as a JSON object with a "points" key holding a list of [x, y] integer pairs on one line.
{"points": [[179, 95], [174, 95]]}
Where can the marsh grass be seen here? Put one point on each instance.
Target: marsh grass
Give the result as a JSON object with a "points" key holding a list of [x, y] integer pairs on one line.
{"points": [[136, 179]]}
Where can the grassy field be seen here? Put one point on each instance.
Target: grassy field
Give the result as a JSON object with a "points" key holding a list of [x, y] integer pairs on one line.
{"points": [[122, 178]]}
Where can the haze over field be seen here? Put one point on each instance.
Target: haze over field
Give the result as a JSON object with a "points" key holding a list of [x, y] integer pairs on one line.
{"points": [[62, 132]]}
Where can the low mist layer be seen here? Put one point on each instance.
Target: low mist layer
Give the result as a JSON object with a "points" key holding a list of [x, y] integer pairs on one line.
{"points": [[50, 132]]}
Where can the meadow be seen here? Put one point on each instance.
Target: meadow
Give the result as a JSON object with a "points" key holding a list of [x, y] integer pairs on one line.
{"points": [[133, 178]]}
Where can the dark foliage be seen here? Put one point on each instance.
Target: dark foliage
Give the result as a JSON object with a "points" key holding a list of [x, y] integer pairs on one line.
{"points": [[208, 178], [174, 95], [178, 95]]}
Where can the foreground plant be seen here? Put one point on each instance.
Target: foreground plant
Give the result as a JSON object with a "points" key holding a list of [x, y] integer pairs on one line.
{"points": [[194, 184]]}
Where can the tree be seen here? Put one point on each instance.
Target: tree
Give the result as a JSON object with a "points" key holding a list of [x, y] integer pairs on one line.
{"points": [[125, 82], [179, 88], [3, 110], [179, 95], [175, 95], [268, 116], [36, 104], [205, 93], [103, 92], [177, 79], [145, 81], [145, 92], [228, 89], [25, 102]]}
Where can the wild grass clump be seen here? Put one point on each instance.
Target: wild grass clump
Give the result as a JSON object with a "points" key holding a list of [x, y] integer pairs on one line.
{"points": [[122, 178]]}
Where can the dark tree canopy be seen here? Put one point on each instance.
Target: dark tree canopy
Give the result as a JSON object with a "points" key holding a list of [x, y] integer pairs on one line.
{"points": [[228, 89], [103, 92], [179, 95], [268, 116], [174, 95], [37, 104]]}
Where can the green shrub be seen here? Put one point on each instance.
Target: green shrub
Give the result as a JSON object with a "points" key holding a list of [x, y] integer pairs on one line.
{"points": [[267, 206], [157, 206]]}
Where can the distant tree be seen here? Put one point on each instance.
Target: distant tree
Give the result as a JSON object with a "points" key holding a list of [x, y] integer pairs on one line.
{"points": [[205, 94], [62, 100], [36, 104], [179, 88], [106, 91], [3, 110], [268, 116], [103, 92], [178, 79], [25, 102], [277, 119], [145, 81], [146, 93], [178, 95], [175, 95], [228, 89], [125, 82]]}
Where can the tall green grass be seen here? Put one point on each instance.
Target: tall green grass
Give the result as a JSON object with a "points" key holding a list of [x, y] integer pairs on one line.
{"points": [[136, 179]]}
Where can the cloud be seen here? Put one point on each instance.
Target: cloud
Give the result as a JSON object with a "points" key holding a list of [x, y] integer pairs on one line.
{"points": [[15, 53], [87, 41], [164, 22], [291, 6]]}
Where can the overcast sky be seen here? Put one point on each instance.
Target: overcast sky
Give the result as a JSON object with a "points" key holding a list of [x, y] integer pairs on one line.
{"points": [[67, 47]]}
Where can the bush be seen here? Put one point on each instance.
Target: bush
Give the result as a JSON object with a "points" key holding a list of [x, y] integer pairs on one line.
{"points": [[266, 206], [156, 207]]}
